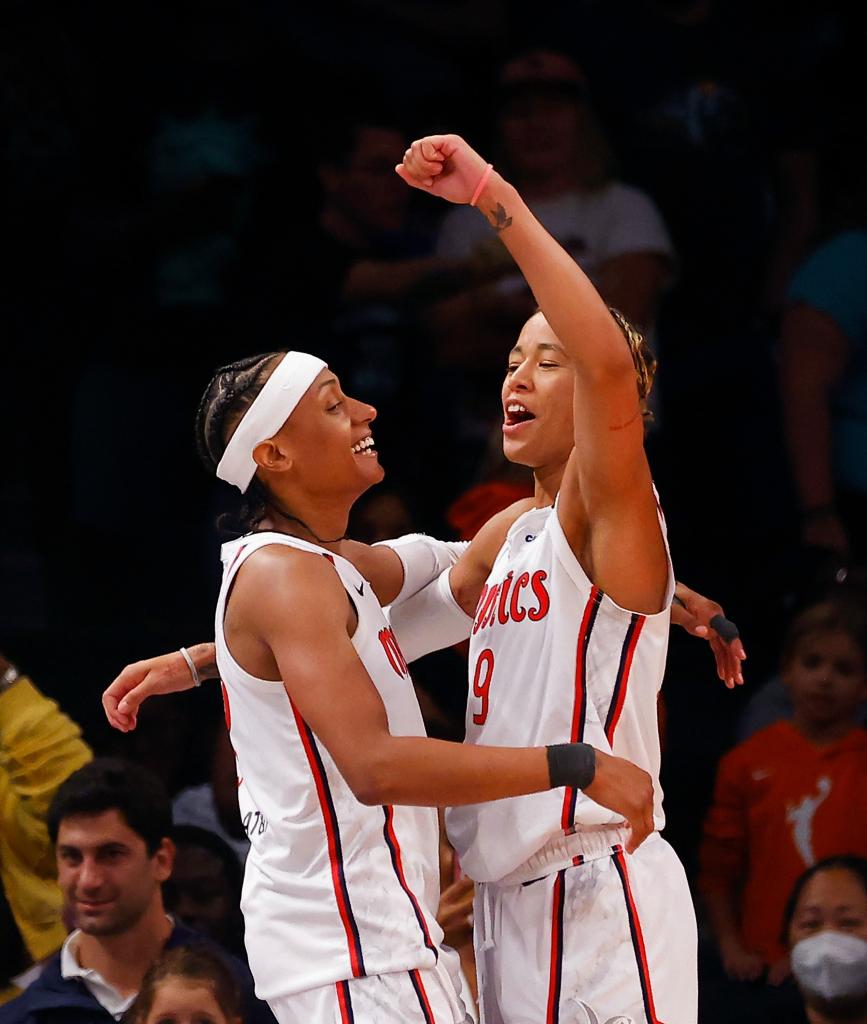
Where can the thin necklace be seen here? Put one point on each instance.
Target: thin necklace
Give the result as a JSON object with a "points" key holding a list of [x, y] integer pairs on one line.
{"points": [[295, 519]]}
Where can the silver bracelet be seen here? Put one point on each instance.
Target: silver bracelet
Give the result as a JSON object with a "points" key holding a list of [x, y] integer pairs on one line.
{"points": [[193, 670]]}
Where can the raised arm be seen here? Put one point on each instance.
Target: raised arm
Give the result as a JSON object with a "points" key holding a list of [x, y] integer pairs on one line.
{"points": [[606, 506]]}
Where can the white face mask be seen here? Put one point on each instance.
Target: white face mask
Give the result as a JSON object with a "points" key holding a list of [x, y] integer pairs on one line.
{"points": [[831, 964]]}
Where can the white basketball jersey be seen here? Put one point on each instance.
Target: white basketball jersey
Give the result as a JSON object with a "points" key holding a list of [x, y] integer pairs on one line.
{"points": [[554, 660], [333, 889]]}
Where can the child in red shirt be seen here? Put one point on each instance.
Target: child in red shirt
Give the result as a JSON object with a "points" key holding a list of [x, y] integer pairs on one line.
{"points": [[790, 795]]}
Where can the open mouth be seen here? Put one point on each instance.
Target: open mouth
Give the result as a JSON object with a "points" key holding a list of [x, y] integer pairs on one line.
{"points": [[516, 414], [365, 447]]}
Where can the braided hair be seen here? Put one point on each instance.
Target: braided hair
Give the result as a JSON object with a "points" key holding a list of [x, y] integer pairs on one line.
{"points": [[642, 358], [230, 393]]}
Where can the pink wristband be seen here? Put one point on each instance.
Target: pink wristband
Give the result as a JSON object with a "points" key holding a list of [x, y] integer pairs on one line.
{"points": [[482, 182]]}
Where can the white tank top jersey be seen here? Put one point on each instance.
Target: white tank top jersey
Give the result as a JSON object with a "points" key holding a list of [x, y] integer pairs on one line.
{"points": [[333, 889], [554, 660]]}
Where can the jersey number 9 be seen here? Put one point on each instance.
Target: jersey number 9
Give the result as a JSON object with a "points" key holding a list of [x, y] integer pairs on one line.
{"points": [[482, 684]]}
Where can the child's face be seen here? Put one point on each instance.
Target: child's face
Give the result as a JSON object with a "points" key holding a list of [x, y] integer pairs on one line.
{"points": [[178, 1001], [826, 677]]}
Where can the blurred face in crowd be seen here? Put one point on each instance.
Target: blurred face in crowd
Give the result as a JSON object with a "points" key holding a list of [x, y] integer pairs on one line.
{"points": [[832, 900], [537, 396], [185, 1001], [204, 897], [826, 677], [365, 187], [541, 131], [108, 878], [383, 516]]}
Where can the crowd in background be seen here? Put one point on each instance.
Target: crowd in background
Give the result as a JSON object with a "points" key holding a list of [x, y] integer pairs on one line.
{"points": [[185, 184]]}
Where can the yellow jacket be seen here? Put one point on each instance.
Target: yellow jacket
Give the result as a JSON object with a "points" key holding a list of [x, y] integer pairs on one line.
{"points": [[39, 748]]}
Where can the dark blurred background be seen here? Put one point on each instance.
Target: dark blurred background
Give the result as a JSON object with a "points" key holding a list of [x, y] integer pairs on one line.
{"points": [[187, 183]]}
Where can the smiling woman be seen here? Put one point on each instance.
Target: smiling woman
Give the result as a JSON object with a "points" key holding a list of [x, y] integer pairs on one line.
{"points": [[337, 779], [251, 400]]}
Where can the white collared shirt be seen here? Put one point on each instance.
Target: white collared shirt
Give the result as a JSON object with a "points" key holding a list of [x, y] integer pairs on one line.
{"points": [[102, 991]]}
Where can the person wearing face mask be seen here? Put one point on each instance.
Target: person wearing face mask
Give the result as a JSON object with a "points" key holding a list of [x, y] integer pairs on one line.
{"points": [[790, 795], [825, 927]]}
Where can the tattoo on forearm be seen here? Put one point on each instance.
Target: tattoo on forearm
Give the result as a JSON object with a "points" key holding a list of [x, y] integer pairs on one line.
{"points": [[499, 219], [628, 423], [205, 658]]}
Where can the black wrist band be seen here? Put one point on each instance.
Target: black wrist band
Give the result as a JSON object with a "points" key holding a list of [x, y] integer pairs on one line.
{"points": [[571, 764]]}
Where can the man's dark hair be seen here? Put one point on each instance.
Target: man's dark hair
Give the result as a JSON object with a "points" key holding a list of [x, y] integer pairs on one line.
{"points": [[112, 784]]}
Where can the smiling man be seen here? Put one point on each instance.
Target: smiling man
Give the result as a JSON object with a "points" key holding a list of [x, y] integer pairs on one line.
{"points": [[111, 823]]}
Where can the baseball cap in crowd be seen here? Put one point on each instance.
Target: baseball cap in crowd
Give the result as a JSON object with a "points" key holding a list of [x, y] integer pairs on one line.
{"points": [[542, 70]]}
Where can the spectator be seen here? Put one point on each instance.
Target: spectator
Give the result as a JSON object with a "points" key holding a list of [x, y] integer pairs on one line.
{"points": [[187, 985], [771, 703], [381, 515], [367, 273], [823, 378], [111, 825], [213, 805], [366, 248], [554, 148], [205, 887], [39, 748], [789, 795], [826, 930]]}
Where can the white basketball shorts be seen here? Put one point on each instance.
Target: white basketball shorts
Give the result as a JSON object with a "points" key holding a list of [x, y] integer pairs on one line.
{"points": [[403, 997], [605, 941]]}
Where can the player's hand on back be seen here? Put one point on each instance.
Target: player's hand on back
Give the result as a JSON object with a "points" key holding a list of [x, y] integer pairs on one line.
{"points": [[627, 789], [444, 166], [455, 911], [167, 673]]}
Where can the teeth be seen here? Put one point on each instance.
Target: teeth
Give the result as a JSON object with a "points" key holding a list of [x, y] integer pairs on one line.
{"points": [[363, 445], [515, 407]]}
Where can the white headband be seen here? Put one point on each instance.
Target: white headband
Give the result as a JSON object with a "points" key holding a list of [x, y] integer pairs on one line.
{"points": [[270, 409]]}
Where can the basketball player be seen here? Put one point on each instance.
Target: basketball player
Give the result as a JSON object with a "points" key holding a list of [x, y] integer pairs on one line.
{"points": [[161, 675], [337, 781], [571, 594]]}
